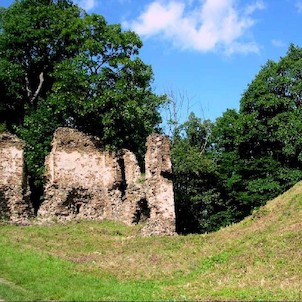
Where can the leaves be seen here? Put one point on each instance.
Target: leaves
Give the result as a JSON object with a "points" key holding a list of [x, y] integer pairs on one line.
{"points": [[60, 66], [198, 201], [267, 143], [251, 156]]}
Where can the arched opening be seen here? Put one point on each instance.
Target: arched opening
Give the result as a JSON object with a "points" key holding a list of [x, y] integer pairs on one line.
{"points": [[5, 211], [142, 213], [76, 199]]}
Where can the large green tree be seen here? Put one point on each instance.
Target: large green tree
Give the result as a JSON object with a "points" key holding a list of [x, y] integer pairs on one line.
{"points": [[198, 202], [60, 66], [258, 150], [269, 139], [34, 37], [252, 156]]}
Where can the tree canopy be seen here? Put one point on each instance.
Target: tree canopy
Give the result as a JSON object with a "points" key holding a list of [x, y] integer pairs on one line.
{"points": [[251, 156], [198, 202], [60, 66], [269, 127]]}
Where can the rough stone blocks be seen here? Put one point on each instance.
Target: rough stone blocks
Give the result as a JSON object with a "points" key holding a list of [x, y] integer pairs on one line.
{"points": [[83, 181], [14, 192]]}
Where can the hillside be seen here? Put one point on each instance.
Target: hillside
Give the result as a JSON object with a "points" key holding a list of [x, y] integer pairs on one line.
{"points": [[257, 259]]}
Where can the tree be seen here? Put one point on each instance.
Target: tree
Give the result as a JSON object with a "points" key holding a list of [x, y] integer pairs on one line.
{"points": [[272, 105], [199, 207], [226, 156], [60, 66], [175, 110], [258, 150], [34, 36], [269, 127]]}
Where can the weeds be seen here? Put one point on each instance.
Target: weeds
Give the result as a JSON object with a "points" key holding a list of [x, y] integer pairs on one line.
{"points": [[257, 259]]}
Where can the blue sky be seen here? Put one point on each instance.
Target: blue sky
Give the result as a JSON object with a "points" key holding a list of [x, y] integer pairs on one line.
{"points": [[206, 50]]}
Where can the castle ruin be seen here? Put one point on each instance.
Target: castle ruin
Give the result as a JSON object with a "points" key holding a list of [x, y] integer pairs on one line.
{"points": [[85, 182], [14, 191]]}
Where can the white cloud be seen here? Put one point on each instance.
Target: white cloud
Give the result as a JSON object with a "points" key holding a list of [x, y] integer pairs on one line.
{"points": [[87, 4], [210, 25], [251, 8]]}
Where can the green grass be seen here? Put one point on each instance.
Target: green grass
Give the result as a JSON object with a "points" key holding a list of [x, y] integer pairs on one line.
{"points": [[257, 259]]}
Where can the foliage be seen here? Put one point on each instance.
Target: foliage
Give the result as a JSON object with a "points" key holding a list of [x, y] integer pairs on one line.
{"points": [[247, 157], [269, 127], [224, 153], [2, 127], [257, 150], [60, 66], [199, 207]]}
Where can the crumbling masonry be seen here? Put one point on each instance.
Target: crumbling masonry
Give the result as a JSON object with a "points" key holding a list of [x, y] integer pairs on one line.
{"points": [[83, 181], [14, 192]]}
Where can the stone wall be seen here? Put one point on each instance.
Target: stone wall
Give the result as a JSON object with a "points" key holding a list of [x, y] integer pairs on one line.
{"points": [[14, 192], [84, 181], [159, 186]]}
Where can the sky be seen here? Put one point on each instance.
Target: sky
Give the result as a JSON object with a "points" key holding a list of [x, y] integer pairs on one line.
{"points": [[205, 51]]}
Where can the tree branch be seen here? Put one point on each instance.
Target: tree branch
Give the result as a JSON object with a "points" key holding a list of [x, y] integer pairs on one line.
{"points": [[41, 79], [29, 92]]}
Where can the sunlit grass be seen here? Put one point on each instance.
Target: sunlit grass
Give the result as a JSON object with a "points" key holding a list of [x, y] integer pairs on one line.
{"points": [[257, 259]]}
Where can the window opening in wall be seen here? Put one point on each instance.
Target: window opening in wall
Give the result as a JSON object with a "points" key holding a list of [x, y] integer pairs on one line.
{"points": [[123, 185], [5, 212], [75, 200], [142, 213]]}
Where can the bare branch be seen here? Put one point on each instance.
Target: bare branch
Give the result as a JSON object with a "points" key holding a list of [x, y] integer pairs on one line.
{"points": [[177, 109], [29, 92], [41, 80], [32, 97], [204, 146]]}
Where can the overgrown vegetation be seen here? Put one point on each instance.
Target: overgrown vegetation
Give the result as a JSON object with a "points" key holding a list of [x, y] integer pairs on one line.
{"points": [[60, 66], [227, 168], [256, 259]]}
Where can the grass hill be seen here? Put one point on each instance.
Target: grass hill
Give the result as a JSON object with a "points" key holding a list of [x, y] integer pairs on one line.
{"points": [[259, 258]]}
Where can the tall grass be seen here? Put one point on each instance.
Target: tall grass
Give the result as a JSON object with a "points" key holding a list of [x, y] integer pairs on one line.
{"points": [[257, 259]]}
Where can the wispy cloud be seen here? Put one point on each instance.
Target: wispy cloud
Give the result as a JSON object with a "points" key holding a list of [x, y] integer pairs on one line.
{"points": [[278, 43], [87, 4], [299, 6], [206, 26], [252, 7]]}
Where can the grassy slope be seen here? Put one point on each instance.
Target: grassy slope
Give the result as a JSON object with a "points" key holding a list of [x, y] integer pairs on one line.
{"points": [[257, 259]]}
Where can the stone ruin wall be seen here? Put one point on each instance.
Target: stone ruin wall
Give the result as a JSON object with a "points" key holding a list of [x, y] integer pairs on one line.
{"points": [[85, 182], [159, 186], [81, 180], [14, 191]]}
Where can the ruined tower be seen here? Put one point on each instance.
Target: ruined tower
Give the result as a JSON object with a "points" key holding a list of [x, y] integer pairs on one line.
{"points": [[14, 191]]}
